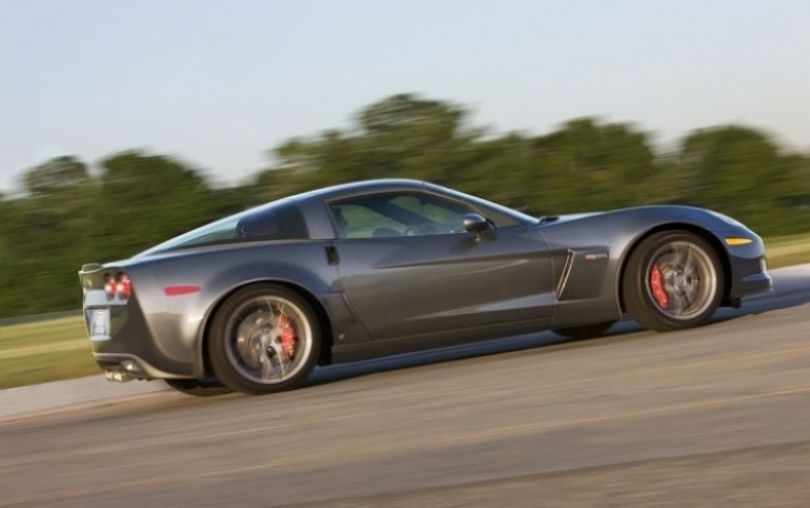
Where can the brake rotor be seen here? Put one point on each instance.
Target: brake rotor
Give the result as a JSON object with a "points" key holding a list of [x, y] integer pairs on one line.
{"points": [[249, 338]]}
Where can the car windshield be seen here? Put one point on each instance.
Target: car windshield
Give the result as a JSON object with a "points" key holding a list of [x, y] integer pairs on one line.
{"points": [[278, 220], [520, 217]]}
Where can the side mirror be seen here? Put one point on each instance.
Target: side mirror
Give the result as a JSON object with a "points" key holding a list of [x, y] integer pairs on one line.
{"points": [[475, 223]]}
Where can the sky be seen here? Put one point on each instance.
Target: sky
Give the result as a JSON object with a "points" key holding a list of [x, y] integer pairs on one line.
{"points": [[219, 83]]}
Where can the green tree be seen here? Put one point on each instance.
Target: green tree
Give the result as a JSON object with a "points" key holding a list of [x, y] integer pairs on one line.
{"points": [[742, 172], [40, 236], [587, 164], [145, 199]]}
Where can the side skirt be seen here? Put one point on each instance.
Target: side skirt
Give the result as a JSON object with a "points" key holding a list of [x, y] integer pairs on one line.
{"points": [[354, 352]]}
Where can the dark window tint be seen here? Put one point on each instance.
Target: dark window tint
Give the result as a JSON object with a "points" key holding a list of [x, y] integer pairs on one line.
{"points": [[280, 220], [274, 223]]}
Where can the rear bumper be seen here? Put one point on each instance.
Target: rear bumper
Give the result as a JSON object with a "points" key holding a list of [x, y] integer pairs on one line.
{"points": [[130, 349], [126, 366], [129, 342]]}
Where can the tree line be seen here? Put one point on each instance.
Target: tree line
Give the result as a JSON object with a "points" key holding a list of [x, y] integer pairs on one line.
{"points": [[68, 215]]}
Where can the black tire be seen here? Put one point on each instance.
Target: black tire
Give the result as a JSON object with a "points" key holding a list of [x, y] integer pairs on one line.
{"points": [[229, 362], [198, 387], [649, 306], [584, 331]]}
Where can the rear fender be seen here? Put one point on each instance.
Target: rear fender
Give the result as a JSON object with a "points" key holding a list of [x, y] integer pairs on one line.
{"points": [[226, 283]]}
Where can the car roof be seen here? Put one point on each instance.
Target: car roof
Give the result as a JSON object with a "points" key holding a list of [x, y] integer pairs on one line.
{"points": [[348, 189]]}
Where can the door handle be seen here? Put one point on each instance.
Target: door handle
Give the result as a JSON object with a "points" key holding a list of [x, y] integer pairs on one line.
{"points": [[332, 256]]}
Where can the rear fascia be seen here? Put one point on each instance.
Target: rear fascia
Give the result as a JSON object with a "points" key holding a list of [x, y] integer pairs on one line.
{"points": [[129, 338], [168, 330]]}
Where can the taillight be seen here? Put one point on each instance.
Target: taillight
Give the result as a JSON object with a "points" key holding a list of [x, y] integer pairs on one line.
{"points": [[124, 287], [118, 285], [110, 286]]}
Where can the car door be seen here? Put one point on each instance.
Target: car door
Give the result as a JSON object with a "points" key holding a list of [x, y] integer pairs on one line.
{"points": [[409, 268]]}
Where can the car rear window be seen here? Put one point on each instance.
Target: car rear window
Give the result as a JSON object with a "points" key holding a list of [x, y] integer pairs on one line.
{"points": [[279, 220]]}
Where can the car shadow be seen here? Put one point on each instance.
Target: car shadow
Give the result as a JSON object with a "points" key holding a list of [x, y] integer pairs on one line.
{"points": [[624, 327], [332, 373]]}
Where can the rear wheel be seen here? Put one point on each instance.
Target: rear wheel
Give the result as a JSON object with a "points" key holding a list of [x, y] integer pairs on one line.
{"points": [[584, 331], [673, 280], [265, 338], [198, 387]]}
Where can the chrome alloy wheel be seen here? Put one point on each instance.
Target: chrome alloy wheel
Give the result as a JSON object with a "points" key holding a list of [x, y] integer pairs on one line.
{"points": [[269, 339], [681, 280]]}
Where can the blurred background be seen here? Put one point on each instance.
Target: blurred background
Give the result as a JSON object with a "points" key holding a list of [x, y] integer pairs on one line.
{"points": [[123, 125]]}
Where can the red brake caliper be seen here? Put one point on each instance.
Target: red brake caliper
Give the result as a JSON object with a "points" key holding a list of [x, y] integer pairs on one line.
{"points": [[287, 336], [657, 285]]}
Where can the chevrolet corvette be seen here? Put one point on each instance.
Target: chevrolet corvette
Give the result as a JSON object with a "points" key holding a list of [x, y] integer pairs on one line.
{"points": [[253, 302]]}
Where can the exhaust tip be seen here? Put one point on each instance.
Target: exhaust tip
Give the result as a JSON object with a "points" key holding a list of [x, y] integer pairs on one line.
{"points": [[117, 376]]}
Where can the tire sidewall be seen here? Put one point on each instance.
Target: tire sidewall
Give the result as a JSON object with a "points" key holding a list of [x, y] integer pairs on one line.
{"points": [[218, 339]]}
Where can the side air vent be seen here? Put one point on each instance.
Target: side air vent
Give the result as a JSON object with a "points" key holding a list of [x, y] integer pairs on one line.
{"points": [[584, 274]]}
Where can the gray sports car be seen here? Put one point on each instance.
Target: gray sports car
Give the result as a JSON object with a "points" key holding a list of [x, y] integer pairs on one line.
{"points": [[254, 301]]}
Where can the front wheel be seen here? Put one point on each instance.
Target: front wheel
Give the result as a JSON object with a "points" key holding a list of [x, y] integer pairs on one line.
{"points": [[673, 280], [265, 338]]}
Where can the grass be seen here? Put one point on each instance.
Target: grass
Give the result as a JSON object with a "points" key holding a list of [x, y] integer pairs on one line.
{"points": [[57, 348], [788, 250], [47, 350]]}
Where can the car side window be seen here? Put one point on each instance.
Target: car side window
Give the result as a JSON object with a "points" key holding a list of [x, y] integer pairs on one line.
{"points": [[398, 214], [279, 220], [361, 221]]}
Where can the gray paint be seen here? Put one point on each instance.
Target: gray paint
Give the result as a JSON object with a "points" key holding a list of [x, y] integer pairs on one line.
{"points": [[395, 294]]}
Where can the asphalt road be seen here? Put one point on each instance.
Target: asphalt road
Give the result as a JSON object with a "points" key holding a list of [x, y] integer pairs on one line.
{"points": [[713, 416]]}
